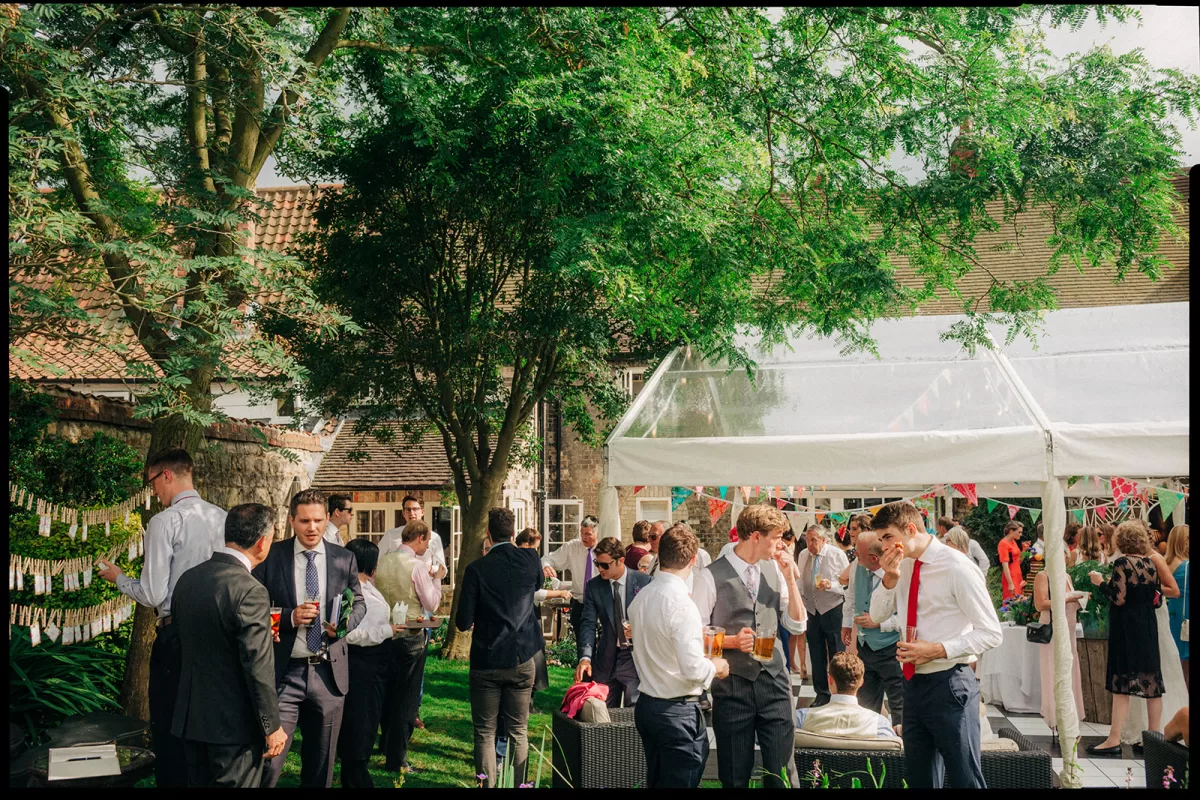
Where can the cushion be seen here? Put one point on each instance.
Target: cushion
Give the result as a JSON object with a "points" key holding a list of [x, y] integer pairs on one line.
{"points": [[832, 741], [594, 711], [999, 745]]}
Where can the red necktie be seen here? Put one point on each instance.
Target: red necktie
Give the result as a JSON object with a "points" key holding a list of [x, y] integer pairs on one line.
{"points": [[910, 669]]}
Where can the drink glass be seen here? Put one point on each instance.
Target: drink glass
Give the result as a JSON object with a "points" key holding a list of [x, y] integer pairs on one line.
{"points": [[714, 640], [628, 632], [1083, 600], [910, 633], [764, 642], [276, 613]]}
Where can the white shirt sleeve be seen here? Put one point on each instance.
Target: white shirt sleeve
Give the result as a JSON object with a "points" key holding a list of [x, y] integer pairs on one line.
{"points": [[883, 602], [560, 557], [151, 588], [972, 596], [689, 648], [704, 595], [848, 606], [796, 626], [975, 551]]}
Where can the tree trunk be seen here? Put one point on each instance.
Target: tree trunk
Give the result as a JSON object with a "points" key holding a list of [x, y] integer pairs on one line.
{"points": [[458, 643], [172, 431]]}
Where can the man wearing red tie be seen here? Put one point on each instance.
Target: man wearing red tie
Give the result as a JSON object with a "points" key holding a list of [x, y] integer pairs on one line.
{"points": [[948, 618]]}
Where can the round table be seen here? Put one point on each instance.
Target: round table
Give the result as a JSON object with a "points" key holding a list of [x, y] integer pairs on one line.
{"points": [[1010, 675]]}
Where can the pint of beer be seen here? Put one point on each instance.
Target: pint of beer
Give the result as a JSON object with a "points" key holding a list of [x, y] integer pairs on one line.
{"points": [[764, 642], [714, 640]]}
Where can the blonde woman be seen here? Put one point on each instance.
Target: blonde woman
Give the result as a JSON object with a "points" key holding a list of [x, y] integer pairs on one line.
{"points": [[1041, 601], [1178, 607], [957, 538], [1108, 537], [1090, 548]]}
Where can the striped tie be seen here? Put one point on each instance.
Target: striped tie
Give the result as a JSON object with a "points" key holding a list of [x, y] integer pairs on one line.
{"points": [[312, 587]]}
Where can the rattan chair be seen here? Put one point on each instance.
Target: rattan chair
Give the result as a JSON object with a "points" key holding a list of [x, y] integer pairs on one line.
{"points": [[1161, 754], [1028, 768], [598, 755]]}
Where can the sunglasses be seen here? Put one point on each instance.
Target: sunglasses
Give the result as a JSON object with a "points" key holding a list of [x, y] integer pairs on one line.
{"points": [[602, 564], [654, 537]]}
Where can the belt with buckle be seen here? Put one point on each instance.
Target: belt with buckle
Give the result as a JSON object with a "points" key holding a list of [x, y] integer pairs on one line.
{"points": [[163, 622], [311, 661], [691, 698]]}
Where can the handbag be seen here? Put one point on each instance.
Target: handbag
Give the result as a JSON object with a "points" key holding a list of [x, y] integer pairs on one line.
{"points": [[1184, 627], [1039, 632]]}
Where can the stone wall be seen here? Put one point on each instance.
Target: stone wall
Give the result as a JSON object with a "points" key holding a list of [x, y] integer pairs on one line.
{"points": [[234, 466]]}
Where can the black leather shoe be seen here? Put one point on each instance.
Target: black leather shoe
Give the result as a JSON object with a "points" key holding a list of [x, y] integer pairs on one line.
{"points": [[1138, 748], [1104, 752]]}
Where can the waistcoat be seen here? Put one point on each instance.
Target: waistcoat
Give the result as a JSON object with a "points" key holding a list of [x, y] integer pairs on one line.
{"points": [[733, 610], [875, 638], [393, 579]]}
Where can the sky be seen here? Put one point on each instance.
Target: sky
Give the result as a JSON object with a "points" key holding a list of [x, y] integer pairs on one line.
{"points": [[1169, 36]]}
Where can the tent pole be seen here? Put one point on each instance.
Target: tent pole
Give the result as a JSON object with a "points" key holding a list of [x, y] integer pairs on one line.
{"points": [[1054, 517]]}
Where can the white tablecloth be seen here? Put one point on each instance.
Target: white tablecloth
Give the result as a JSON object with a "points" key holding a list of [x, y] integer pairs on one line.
{"points": [[1011, 675]]}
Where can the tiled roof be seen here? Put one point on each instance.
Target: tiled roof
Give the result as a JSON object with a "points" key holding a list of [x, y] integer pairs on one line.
{"points": [[393, 466]]}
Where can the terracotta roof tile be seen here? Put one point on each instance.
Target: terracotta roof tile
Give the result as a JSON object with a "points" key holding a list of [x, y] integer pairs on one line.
{"points": [[387, 466]]}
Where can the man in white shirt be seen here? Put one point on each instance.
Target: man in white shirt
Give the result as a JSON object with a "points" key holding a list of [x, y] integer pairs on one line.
{"points": [[820, 564], [340, 513], [183, 535], [577, 557], [434, 556], [752, 586], [948, 618], [876, 641], [668, 651], [843, 715]]}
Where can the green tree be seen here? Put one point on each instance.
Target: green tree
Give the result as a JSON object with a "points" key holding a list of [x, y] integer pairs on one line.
{"points": [[137, 133], [559, 189]]}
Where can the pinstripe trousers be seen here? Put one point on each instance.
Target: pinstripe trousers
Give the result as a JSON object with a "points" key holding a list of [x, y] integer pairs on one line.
{"points": [[744, 710]]}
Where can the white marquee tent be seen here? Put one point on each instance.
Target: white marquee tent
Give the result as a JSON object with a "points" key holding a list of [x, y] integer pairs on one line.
{"points": [[1104, 393]]}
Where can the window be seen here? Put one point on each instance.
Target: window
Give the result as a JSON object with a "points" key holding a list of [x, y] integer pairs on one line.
{"points": [[653, 509], [632, 380], [562, 523], [399, 518], [286, 406], [370, 524]]}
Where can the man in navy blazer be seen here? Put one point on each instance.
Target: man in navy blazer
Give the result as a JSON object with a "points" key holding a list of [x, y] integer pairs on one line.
{"points": [[312, 673], [606, 601]]}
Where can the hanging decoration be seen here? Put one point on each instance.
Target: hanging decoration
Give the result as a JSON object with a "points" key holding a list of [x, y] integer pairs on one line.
{"points": [[679, 495], [715, 509], [1167, 500], [1078, 514], [637, 489], [76, 572], [49, 513], [1012, 512], [1034, 513], [75, 624], [1122, 488], [967, 490], [1102, 511]]}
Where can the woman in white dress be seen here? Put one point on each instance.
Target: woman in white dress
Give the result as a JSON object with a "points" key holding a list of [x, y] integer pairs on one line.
{"points": [[1175, 694], [1041, 601]]}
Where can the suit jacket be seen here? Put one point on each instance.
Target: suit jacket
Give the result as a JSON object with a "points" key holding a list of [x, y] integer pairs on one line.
{"points": [[598, 606], [227, 682], [497, 598], [278, 574]]}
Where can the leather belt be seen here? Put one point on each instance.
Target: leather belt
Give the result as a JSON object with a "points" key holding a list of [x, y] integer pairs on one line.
{"points": [[311, 661], [163, 622], [691, 698]]}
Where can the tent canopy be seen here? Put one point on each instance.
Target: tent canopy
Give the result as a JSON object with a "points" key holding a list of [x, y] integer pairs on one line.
{"points": [[1107, 389]]}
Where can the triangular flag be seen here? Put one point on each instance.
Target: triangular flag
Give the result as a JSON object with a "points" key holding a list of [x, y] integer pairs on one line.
{"points": [[715, 509], [991, 504], [745, 493], [1035, 513], [1012, 511], [780, 503], [1168, 499], [1122, 488], [820, 516], [778, 492], [1102, 511], [699, 490], [1078, 514], [679, 495], [722, 490], [637, 489], [1096, 480], [790, 492]]}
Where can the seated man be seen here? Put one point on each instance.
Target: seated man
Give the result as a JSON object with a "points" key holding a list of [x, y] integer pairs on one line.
{"points": [[843, 715]]}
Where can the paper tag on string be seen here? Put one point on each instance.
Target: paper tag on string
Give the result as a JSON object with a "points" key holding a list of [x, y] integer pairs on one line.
{"points": [[141, 544], [108, 623], [132, 550], [69, 635], [21, 580], [12, 578], [126, 517], [73, 531], [52, 632], [38, 585], [49, 584], [35, 634]]}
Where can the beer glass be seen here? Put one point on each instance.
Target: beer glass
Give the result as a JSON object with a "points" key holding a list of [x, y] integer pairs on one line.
{"points": [[910, 633], [764, 642], [714, 640]]}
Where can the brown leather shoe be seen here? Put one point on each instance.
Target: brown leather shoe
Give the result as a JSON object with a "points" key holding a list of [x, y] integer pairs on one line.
{"points": [[418, 724]]}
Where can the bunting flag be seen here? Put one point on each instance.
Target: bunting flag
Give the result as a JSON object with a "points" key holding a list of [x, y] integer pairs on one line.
{"points": [[789, 490], [1077, 513], [745, 493], [699, 490], [722, 491], [1122, 488], [679, 495], [1096, 480], [1012, 512], [780, 503], [820, 516], [968, 491], [1102, 512], [715, 509], [637, 489], [991, 504], [1035, 513], [1168, 499]]}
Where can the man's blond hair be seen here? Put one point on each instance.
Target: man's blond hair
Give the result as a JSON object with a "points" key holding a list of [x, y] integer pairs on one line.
{"points": [[761, 518]]}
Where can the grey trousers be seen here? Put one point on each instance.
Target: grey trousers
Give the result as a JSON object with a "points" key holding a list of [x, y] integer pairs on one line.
{"points": [[882, 674], [623, 682], [743, 709], [224, 766], [496, 692], [309, 699]]}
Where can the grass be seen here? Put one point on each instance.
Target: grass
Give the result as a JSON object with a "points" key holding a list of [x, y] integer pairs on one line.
{"points": [[444, 752]]}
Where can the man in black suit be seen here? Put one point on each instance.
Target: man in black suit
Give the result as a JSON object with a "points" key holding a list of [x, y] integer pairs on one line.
{"points": [[306, 577], [226, 704], [606, 600], [497, 599]]}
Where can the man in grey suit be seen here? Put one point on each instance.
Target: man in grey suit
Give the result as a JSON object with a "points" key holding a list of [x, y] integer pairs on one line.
{"points": [[226, 704], [306, 577], [606, 601]]}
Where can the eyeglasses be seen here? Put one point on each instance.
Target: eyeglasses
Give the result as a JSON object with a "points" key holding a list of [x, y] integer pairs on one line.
{"points": [[602, 564], [348, 510], [156, 477]]}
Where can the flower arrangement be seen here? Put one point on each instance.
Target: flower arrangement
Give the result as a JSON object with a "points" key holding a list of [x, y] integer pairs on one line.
{"points": [[1019, 610]]}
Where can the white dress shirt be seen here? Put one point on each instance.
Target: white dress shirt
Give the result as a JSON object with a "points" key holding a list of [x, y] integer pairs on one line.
{"points": [[668, 647], [831, 561], [178, 538], [375, 627], [300, 648], [953, 606], [539, 596], [704, 593], [573, 556], [332, 535], [843, 716], [239, 555], [434, 554], [889, 625]]}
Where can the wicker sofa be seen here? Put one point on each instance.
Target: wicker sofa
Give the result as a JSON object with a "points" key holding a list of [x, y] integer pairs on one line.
{"points": [[1027, 768], [1161, 754], [598, 755]]}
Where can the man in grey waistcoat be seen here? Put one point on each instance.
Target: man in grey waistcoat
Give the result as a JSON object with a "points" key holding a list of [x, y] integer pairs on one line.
{"points": [[876, 641], [753, 585]]}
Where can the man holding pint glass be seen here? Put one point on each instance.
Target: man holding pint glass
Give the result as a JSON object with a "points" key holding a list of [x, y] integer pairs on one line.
{"points": [[748, 592]]}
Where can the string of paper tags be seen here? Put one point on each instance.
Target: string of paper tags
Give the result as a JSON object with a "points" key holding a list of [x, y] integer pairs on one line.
{"points": [[76, 572], [79, 519], [75, 624]]}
